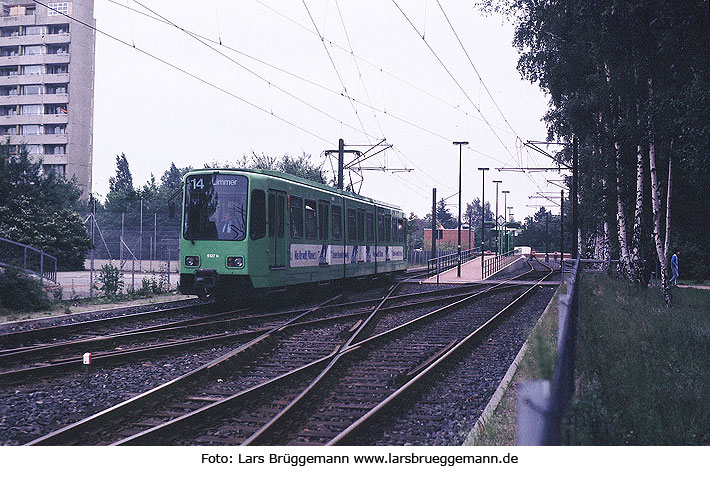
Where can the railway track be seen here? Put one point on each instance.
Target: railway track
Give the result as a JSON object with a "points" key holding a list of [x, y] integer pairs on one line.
{"points": [[233, 327], [235, 397]]}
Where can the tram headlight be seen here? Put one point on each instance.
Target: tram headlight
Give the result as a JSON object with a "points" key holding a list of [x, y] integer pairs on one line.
{"points": [[192, 261], [235, 262]]}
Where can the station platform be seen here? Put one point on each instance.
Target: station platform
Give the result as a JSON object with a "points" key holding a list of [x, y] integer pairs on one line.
{"points": [[471, 271]]}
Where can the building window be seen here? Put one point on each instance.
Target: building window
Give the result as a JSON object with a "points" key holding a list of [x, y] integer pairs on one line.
{"points": [[32, 89], [9, 51], [8, 110], [57, 69], [58, 49], [33, 49], [57, 29], [55, 129], [10, 32], [34, 30], [55, 109], [33, 69], [57, 8], [56, 89], [58, 169], [33, 149], [51, 149], [8, 129], [30, 129], [31, 110], [8, 71], [8, 90]]}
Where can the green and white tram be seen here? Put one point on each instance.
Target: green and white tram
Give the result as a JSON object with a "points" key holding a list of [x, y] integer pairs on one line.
{"points": [[255, 230]]}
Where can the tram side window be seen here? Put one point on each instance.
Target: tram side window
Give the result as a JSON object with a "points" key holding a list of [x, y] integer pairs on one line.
{"points": [[370, 226], [323, 221], [272, 215], [352, 225], [360, 225], [395, 229], [296, 211], [401, 228], [311, 220], [257, 219], [337, 222], [381, 226], [388, 230]]}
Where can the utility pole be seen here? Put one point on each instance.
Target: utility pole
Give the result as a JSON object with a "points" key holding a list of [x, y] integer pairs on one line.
{"points": [[562, 226], [483, 210], [341, 158], [460, 145], [497, 181], [575, 185], [433, 224], [505, 221]]}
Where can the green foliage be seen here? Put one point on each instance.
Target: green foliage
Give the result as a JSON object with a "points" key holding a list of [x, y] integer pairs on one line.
{"points": [[37, 209], [110, 281], [624, 75], [297, 166], [644, 369], [21, 292]]}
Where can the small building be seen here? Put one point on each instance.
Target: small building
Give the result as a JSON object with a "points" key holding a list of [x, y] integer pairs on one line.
{"points": [[450, 238]]}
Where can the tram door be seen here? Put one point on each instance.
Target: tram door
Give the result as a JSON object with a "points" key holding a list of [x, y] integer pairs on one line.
{"points": [[277, 228]]}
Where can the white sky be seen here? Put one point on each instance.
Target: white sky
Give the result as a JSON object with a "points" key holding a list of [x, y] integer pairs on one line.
{"points": [[158, 115]]}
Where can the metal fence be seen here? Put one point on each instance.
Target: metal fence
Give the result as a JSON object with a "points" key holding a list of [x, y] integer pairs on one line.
{"points": [[493, 264], [450, 259], [29, 259], [145, 234], [542, 405]]}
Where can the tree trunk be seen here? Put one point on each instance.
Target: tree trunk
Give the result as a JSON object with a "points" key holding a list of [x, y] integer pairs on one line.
{"points": [[635, 259], [621, 217], [662, 249]]}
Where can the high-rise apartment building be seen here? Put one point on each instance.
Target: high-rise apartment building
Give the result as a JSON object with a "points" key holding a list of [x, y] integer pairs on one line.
{"points": [[47, 83]]}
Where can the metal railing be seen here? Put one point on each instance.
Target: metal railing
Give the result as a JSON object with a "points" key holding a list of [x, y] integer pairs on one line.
{"points": [[542, 405], [27, 258], [493, 264], [447, 261]]}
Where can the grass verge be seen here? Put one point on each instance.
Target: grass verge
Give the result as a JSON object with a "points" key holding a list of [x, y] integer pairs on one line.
{"points": [[643, 369]]}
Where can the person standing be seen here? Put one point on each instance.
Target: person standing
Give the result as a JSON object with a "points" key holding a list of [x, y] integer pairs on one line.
{"points": [[674, 268]]}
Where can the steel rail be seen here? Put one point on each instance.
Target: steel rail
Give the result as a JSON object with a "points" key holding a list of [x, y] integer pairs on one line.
{"points": [[427, 369], [152, 435], [261, 435], [69, 432]]}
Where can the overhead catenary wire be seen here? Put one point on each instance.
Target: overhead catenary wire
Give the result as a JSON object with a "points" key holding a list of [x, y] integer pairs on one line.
{"points": [[249, 70], [185, 72]]}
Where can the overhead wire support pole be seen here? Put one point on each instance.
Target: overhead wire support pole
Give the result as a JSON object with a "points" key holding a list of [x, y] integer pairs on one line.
{"points": [[460, 144], [575, 186]]}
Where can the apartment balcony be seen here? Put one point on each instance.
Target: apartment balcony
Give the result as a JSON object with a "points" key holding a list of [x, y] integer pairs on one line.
{"points": [[16, 20], [35, 39], [61, 98], [46, 58], [36, 138], [53, 158], [33, 119], [34, 79]]}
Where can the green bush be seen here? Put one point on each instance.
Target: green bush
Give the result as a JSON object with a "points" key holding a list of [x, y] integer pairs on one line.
{"points": [[21, 292], [110, 280]]}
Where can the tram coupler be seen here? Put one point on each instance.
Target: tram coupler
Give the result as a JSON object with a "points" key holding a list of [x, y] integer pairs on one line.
{"points": [[205, 282]]}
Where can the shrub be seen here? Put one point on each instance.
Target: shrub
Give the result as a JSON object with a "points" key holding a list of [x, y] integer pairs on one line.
{"points": [[110, 280], [21, 292]]}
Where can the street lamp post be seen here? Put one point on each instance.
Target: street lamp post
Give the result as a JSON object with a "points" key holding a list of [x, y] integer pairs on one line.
{"points": [[458, 268], [507, 237], [505, 223], [483, 211], [496, 218]]}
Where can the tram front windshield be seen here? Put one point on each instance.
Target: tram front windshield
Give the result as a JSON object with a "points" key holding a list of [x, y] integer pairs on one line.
{"points": [[215, 207]]}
